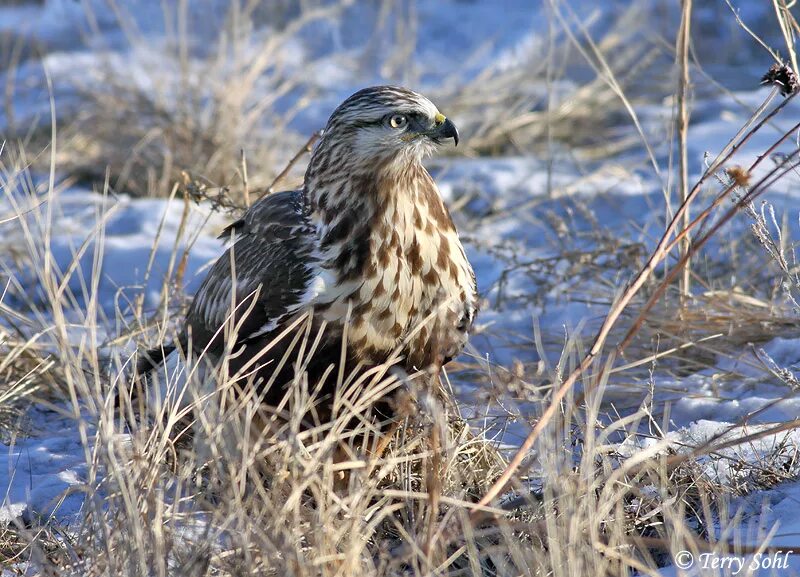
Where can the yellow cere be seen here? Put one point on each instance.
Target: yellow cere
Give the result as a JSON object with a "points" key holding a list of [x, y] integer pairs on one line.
{"points": [[439, 118]]}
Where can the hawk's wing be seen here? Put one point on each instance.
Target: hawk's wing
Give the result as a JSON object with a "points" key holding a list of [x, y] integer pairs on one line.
{"points": [[271, 262]]}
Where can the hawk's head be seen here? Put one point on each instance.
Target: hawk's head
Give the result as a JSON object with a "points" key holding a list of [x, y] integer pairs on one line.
{"points": [[384, 122]]}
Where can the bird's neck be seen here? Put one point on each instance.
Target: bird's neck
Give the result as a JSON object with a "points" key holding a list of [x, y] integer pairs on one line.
{"points": [[358, 213]]}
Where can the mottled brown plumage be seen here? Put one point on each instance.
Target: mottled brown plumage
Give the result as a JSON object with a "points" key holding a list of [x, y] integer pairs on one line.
{"points": [[367, 243]]}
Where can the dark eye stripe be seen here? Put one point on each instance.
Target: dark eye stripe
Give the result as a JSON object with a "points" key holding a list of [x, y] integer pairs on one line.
{"points": [[413, 118]]}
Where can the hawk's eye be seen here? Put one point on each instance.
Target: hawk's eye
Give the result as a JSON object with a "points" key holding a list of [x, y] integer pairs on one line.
{"points": [[398, 121]]}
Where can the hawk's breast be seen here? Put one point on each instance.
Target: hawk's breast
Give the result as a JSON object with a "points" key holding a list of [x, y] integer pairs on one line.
{"points": [[416, 291]]}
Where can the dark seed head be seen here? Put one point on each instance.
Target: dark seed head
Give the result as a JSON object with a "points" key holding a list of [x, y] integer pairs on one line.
{"points": [[782, 76]]}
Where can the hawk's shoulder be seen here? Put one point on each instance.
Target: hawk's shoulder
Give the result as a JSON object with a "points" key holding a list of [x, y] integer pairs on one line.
{"points": [[275, 214]]}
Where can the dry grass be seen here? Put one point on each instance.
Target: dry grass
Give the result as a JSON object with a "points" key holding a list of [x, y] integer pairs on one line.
{"points": [[568, 90], [228, 503], [222, 504], [141, 129], [204, 491]]}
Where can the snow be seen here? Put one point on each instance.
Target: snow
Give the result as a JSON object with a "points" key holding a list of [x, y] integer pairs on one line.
{"points": [[511, 210], [39, 470], [119, 237]]}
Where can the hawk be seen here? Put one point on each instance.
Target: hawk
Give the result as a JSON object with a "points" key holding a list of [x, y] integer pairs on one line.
{"points": [[366, 249]]}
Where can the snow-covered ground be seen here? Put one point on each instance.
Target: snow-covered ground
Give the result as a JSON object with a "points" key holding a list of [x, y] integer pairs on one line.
{"points": [[519, 209]]}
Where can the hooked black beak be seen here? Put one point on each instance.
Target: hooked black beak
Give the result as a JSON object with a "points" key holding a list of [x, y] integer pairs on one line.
{"points": [[445, 129]]}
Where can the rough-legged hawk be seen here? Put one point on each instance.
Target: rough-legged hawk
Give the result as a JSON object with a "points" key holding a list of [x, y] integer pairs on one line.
{"points": [[366, 250]]}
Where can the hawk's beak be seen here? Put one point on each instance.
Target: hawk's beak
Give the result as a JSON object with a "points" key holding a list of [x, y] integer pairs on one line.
{"points": [[444, 128]]}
